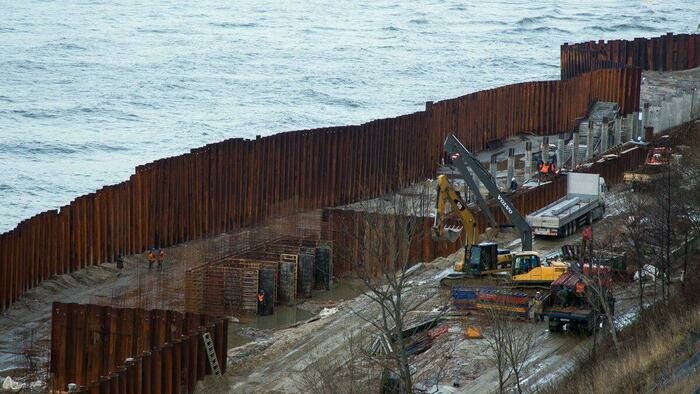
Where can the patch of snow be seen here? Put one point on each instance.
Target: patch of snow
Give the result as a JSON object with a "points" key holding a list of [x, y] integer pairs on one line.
{"points": [[11, 385], [649, 272], [325, 312]]}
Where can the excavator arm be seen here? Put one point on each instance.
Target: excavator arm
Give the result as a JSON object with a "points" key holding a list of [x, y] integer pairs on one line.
{"points": [[446, 194], [463, 161]]}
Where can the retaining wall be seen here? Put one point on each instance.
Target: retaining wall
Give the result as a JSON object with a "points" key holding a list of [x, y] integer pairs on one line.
{"points": [[665, 53], [90, 345], [236, 183]]}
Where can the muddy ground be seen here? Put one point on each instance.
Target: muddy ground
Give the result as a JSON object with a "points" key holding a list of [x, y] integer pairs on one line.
{"points": [[281, 361]]}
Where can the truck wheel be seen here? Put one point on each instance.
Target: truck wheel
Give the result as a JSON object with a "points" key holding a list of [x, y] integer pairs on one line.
{"points": [[554, 326]]}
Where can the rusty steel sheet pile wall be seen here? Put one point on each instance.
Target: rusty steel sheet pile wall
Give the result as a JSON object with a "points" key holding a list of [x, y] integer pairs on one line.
{"points": [[542, 108], [90, 345], [665, 53], [238, 183]]}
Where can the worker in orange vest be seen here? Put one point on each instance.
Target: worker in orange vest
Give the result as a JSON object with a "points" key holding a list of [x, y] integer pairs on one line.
{"points": [[580, 292], [161, 257], [151, 259]]}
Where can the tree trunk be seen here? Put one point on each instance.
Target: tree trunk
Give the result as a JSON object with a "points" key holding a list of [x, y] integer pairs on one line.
{"points": [[685, 260], [517, 381], [640, 267]]}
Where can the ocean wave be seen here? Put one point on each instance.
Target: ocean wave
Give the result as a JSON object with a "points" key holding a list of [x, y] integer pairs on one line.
{"points": [[530, 20], [63, 46], [233, 24], [539, 29], [332, 100], [42, 149], [33, 114], [419, 21], [156, 30], [624, 27]]}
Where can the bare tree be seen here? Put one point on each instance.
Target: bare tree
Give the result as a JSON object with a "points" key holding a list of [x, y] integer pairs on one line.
{"points": [[386, 235], [497, 343], [511, 345], [599, 283], [352, 374], [635, 233], [689, 171]]}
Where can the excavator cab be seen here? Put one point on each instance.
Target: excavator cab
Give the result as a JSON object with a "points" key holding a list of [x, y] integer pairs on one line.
{"points": [[524, 262], [486, 258]]}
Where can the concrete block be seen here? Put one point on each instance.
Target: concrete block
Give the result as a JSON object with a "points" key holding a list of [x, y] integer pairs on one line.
{"points": [[604, 136], [645, 115], [528, 161], [493, 167], [574, 150], [560, 150], [589, 141], [511, 165]]}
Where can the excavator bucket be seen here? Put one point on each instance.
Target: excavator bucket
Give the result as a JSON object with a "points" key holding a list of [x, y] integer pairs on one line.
{"points": [[447, 234]]}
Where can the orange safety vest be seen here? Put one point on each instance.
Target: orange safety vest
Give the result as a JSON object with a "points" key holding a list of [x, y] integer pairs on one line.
{"points": [[151, 256], [161, 255], [261, 297], [545, 168], [580, 288]]}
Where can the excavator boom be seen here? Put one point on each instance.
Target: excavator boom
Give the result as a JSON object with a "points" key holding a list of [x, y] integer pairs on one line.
{"points": [[464, 160], [446, 194]]}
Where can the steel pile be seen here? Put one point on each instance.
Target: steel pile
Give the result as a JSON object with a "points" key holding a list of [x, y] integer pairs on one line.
{"points": [[665, 53], [122, 350]]}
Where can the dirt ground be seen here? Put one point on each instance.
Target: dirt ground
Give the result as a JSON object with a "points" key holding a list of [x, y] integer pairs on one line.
{"points": [[26, 325], [278, 363]]}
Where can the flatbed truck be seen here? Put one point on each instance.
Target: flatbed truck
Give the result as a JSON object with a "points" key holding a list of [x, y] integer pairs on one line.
{"points": [[583, 204], [574, 312]]}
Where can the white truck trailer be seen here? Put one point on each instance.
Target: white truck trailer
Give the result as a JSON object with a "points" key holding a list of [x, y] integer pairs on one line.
{"points": [[583, 203]]}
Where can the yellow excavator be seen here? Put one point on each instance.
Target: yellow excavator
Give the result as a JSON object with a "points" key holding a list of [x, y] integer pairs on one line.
{"points": [[484, 264]]}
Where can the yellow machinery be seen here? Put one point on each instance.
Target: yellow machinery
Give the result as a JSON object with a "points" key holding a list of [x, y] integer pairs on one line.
{"points": [[479, 259], [521, 270], [529, 270], [524, 271], [446, 193]]}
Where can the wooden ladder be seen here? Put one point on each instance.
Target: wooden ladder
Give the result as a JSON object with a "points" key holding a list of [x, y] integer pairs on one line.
{"points": [[211, 354]]}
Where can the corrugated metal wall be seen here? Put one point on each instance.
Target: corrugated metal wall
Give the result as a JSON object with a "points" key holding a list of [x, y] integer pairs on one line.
{"points": [[90, 345], [665, 53], [236, 183]]}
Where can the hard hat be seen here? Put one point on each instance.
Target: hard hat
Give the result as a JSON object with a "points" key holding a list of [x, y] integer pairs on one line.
{"points": [[513, 179]]}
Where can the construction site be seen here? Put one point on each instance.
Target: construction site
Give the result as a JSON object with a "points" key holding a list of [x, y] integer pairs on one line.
{"points": [[493, 242]]}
